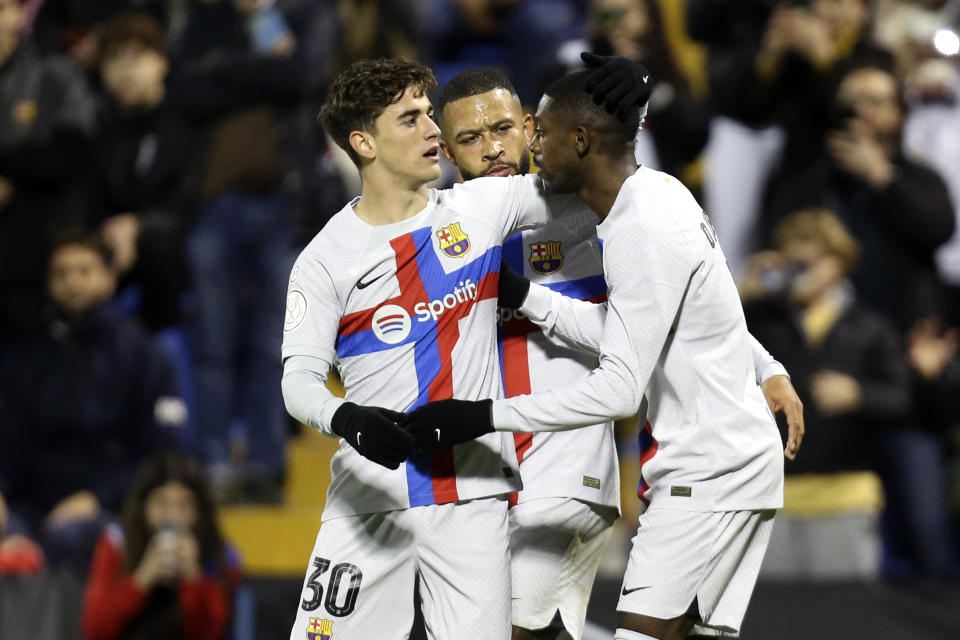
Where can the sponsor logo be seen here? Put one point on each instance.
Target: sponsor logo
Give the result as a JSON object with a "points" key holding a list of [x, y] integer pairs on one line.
{"points": [[392, 323], [296, 310], [453, 241], [627, 592], [545, 257], [319, 629], [507, 315]]}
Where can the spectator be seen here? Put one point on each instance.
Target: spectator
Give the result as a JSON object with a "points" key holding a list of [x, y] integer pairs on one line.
{"points": [[82, 405], [165, 574], [73, 27], [521, 35], [848, 367], [46, 118], [678, 122], [241, 245], [770, 70], [19, 555], [143, 162], [897, 209], [916, 458]]}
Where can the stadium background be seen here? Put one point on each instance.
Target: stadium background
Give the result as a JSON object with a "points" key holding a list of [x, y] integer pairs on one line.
{"points": [[700, 129]]}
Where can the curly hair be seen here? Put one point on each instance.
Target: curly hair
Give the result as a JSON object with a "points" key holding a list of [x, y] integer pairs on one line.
{"points": [[363, 91]]}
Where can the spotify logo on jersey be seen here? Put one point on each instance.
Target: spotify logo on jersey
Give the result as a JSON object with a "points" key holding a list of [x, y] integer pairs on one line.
{"points": [[391, 324]]}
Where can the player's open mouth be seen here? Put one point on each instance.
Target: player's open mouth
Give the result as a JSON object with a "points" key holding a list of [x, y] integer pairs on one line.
{"points": [[500, 170], [433, 154]]}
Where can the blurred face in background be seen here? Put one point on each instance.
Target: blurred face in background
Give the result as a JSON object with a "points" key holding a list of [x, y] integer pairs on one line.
{"points": [[135, 74], [171, 505], [871, 95], [840, 15], [10, 18], [487, 135], [819, 270], [622, 23], [79, 279]]}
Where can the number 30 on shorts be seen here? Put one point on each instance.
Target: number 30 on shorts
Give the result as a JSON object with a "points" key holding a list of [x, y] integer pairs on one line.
{"points": [[333, 588]]}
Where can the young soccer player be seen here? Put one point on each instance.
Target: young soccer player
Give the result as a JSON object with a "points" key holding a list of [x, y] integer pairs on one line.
{"points": [[398, 292]]}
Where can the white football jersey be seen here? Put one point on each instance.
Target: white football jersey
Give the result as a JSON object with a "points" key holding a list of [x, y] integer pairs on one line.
{"points": [[563, 256], [407, 314], [674, 331]]}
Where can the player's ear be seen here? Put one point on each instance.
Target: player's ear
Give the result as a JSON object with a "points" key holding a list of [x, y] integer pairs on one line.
{"points": [[529, 127], [363, 144], [446, 152], [581, 140]]}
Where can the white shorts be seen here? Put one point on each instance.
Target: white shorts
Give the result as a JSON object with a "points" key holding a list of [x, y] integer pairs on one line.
{"points": [[360, 582], [555, 546], [682, 556]]}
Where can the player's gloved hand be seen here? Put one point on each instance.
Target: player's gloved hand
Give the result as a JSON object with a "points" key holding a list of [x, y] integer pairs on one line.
{"points": [[617, 83], [448, 422], [374, 433], [513, 287]]}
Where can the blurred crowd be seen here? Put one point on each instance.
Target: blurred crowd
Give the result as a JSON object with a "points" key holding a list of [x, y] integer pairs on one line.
{"points": [[161, 167]]}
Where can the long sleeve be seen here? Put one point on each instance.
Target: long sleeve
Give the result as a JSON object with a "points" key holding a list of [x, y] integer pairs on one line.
{"points": [[916, 207], [581, 323], [647, 273], [305, 393], [112, 598], [309, 339], [765, 364], [578, 322]]}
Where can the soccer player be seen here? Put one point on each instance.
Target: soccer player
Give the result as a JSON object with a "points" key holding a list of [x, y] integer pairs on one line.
{"points": [[398, 291], [561, 521], [673, 332]]}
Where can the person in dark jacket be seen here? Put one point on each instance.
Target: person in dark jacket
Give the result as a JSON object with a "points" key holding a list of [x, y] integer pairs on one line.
{"points": [[847, 364], [46, 119], [237, 79], [81, 406], [143, 164], [898, 210]]}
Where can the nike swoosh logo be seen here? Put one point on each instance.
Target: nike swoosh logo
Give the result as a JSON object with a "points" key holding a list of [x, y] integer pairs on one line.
{"points": [[363, 285], [358, 437], [438, 434], [627, 592]]}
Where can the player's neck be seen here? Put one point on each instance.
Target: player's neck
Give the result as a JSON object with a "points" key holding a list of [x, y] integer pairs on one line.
{"points": [[385, 200], [603, 182]]}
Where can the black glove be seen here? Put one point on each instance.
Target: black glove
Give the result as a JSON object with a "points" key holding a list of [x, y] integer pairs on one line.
{"points": [[513, 287], [617, 83], [448, 422], [374, 433]]}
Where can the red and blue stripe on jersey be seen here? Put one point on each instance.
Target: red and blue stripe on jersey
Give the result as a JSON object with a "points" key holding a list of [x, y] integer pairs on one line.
{"points": [[431, 476], [514, 357]]}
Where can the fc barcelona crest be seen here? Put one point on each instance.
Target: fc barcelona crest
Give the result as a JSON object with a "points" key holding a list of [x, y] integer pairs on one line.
{"points": [[454, 242], [545, 257], [320, 629]]}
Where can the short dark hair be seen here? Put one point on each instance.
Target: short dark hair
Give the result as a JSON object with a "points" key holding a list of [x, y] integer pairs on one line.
{"points": [[84, 238], [473, 82], [130, 27], [361, 92], [569, 96]]}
